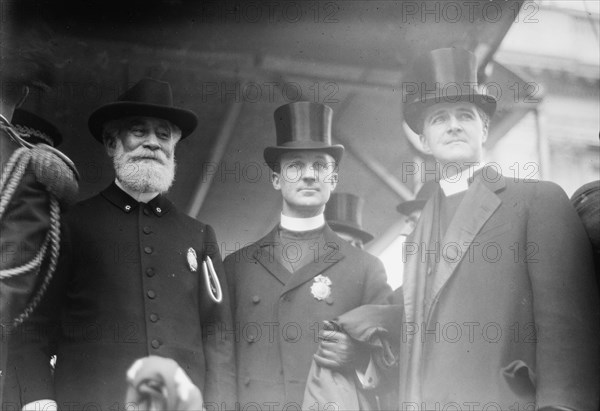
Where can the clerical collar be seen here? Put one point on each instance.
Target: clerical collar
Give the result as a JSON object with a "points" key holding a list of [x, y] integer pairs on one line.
{"points": [[459, 182], [302, 224], [139, 197]]}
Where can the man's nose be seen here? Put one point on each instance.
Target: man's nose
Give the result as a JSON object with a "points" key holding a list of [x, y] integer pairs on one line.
{"points": [[454, 123], [151, 141], [309, 173]]}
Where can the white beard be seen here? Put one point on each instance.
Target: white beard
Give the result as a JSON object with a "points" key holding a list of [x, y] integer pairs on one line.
{"points": [[143, 175]]}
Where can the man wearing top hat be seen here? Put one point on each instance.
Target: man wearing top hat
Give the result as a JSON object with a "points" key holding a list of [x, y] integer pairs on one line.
{"points": [[344, 215], [301, 273], [137, 276], [500, 303]]}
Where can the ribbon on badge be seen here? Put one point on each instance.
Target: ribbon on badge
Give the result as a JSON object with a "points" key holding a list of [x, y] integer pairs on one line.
{"points": [[212, 281]]}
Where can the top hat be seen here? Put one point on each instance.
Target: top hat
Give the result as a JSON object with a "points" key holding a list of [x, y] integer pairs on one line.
{"points": [[148, 98], [586, 201], [447, 75], [424, 194], [343, 212], [303, 126], [35, 129]]}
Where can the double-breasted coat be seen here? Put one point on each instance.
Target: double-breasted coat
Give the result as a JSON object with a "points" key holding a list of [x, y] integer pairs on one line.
{"points": [[512, 318], [278, 319], [126, 288]]}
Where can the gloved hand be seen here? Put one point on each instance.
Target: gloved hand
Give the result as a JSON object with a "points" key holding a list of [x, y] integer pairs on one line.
{"points": [[338, 351]]}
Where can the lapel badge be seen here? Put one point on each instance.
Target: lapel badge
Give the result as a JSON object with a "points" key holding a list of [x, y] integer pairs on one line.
{"points": [[321, 287], [192, 259], [212, 281]]}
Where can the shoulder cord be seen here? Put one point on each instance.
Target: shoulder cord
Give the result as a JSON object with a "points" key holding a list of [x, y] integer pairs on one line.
{"points": [[11, 177]]}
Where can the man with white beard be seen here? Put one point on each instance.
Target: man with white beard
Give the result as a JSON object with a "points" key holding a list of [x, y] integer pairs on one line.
{"points": [[137, 276]]}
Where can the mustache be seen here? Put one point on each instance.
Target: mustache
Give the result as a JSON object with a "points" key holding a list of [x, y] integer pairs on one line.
{"points": [[144, 154]]}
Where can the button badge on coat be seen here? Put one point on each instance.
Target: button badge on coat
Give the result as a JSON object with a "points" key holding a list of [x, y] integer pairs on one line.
{"points": [[192, 259]]}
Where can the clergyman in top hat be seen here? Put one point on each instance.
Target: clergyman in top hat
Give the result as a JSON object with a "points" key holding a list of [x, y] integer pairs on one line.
{"points": [[504, 311], [343, 213], [301, 273], [137, 276]]}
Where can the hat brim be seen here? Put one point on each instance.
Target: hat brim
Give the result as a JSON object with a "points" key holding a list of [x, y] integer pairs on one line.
{"points": [[184, 119], [350, 229], [414, 112], [272, 154], [408, 207]]}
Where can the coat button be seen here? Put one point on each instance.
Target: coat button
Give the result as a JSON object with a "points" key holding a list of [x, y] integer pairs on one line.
{"points": [[155, 344], [286, 298], [151, 294], [148, 250], [247, 381], [251, 338], [154, 317], [147, 230], [158, 210], [256, 299], [146, 211], [150, 272], [128, 208]]}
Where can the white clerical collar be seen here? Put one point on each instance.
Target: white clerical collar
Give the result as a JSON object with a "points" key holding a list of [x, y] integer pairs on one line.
{"points": [[302, 224], [459, 182], [139, 197]]}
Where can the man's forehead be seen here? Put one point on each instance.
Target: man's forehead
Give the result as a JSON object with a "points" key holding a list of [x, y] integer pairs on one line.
{"points": [[450, 107], [307, 155]]}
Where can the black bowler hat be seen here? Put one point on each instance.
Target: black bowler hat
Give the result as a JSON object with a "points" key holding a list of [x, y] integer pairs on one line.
{"points": [[424, 194], [446, 75], [343, 212], [303, 126], [148, 98], [35, 129]]}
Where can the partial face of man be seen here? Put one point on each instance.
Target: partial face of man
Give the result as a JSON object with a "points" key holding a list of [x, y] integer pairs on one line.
{"points": [[454, 133], [306, 180], [355, 241], [143, 154]]}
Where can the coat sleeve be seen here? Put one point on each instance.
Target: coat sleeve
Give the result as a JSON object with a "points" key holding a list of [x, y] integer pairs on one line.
{"points": [[376, 290], [565, 302], [219, 390], [32, 344]]}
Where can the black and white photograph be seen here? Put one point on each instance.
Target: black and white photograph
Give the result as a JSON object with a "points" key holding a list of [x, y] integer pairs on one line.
{"points": [[300, 205]]}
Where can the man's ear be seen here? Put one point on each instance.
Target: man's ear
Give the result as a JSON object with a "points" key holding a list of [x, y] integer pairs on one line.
{"points": [[485, 135], [424, 144], [110, 144], [333, 179], [276, 180]]}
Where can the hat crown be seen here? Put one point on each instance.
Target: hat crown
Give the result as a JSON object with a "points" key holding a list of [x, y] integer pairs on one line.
{"points": [[442, 67], [303, 122], [345, 207], [149, 91]]}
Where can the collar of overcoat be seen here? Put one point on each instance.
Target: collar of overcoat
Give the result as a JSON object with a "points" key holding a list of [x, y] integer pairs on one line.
{"points": [[159, 205], [328, 254]]}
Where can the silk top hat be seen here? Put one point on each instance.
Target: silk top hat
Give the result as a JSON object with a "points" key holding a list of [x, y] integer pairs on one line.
{"points": [[424, 194], [35, 129], [148, 98], [446, 75], [343, 212], [303, 126]]}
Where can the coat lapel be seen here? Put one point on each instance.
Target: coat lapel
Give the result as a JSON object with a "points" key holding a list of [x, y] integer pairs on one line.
{"points": [[478, 205], [265, 255], [327, 256]]}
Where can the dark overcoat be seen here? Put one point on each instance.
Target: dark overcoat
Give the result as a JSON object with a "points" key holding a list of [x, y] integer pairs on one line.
{"points": [[125, 289], [278, 320], [512, 319]]}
